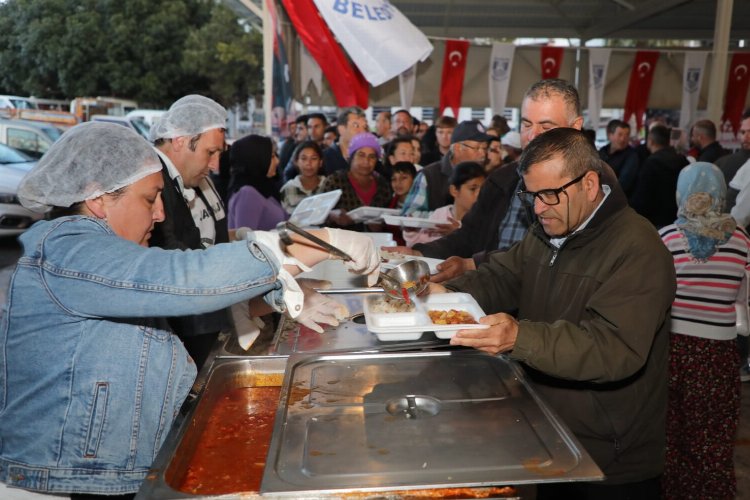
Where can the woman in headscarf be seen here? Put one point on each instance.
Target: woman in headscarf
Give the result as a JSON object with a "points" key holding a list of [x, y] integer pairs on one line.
{"points": [[92, 377], [361, 185], [711, 258], [253, 189]]}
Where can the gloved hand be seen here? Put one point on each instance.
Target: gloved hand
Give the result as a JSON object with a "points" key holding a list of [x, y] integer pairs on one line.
{"points": [[318, 308], [361, 249]]}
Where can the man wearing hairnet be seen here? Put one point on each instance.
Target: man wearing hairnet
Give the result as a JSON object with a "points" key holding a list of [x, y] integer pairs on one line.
{"points": [[189, 139]]}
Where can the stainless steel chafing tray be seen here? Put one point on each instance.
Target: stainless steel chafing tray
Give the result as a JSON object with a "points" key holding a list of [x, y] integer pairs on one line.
{"points": [[171, 465], [378, 422]]}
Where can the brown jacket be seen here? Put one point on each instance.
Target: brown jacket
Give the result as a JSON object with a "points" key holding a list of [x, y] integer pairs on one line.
{"points": [[593, 332]]}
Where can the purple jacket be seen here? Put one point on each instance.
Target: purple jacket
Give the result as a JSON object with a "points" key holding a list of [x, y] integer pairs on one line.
{"points": [[249, 208]]}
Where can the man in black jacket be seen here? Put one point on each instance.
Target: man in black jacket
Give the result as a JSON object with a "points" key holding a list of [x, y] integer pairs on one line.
{"points": [[703, 137], [654, 196], [189, 139], [498, 220]]}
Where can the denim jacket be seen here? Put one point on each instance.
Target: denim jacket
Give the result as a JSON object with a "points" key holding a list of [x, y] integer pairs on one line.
{"points": [[91, 378]]}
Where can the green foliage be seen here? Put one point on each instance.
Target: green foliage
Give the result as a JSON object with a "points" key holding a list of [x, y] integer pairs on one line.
{"points": [[227, 56], [153, 51]]}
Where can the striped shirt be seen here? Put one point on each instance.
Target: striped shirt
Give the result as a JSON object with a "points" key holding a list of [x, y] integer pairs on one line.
{"points": [[707, 291]]}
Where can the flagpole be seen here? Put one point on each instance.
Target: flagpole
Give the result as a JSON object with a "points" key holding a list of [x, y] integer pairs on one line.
{"points": [[716, 84], [268, 28], [265, 16]]}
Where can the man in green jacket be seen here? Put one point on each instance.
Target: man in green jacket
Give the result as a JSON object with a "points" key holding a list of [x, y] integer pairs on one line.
{"points": [[592, 285]]}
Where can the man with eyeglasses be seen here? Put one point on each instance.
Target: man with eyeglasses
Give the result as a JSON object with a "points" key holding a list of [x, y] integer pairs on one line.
{"points": [[430, 189], [592, 285]]}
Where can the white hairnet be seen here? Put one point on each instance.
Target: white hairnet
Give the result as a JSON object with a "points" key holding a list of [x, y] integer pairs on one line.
{"points": [[190, 115], [89, 160]]}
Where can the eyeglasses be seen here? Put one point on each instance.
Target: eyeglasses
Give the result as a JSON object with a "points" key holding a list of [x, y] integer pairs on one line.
{"points": [[548, 196], [475, 148]]}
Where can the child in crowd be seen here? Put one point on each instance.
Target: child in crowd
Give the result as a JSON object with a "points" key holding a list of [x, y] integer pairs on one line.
{"points": [[466, 181], [308, 158], [402, 178]]}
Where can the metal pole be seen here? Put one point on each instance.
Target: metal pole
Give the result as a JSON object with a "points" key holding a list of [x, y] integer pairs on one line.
{"points": [[717, 82], [268, 28]]}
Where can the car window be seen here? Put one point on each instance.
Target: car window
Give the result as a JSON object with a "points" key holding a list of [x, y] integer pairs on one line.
{"points": [[22, 104], [26, 140], [10, 155], [53, 133]]}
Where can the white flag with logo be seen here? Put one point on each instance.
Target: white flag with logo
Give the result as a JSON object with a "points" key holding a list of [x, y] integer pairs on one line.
{"points": [[309, 70], [501, 64], [598, 63], [692, 76], [406, 83], [380, 40]]}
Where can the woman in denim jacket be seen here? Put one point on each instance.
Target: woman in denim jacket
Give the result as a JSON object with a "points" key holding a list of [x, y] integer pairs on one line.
{"points": [[91, 378]]}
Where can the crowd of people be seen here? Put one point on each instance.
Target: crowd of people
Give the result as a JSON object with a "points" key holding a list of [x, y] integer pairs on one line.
{"points": [[614, 276]]}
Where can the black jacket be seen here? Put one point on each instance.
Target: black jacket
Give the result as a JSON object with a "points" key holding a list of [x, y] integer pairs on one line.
{"points": [[178, 231], [654, 196], [712, 152]]}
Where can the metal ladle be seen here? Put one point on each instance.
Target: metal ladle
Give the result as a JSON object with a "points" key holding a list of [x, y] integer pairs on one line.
{"points": [[415, 273]]}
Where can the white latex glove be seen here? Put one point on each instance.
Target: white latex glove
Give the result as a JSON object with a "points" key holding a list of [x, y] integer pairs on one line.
{"points": [[361, 249], [319, 309]]}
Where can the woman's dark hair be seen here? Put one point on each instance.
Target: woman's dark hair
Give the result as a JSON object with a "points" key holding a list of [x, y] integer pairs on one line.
{"points": [[390, 148], [74, 209], [333, 129], [466, 171], [77, 207], [405, 167], [249, 159], [306, 145], [429, 140]]}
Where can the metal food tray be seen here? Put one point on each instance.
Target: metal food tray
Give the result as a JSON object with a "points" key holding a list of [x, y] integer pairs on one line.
{"points": [[380, 422], [170, 466]]}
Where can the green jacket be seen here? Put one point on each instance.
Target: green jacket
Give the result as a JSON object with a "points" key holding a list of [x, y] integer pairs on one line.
{"points": [[593, 331]]}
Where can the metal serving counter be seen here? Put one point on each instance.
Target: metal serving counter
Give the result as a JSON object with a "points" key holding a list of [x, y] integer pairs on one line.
{"points": [[368, 425], [355, 417]]}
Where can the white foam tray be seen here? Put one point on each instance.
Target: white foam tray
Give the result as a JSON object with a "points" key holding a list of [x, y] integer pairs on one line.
{"points": [[416, 222], [363, 214], [410, 326]]}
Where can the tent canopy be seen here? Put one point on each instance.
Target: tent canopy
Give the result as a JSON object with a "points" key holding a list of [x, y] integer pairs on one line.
{"points": [[583, 19], [484, 20]]}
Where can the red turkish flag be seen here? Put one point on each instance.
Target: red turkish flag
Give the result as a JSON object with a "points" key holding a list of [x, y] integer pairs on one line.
{"points": [[551, 61], [347, 83], [454, 68], [737, 84], [641, 77]]}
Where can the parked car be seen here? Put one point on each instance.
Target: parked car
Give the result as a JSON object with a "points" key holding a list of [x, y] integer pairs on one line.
{"points": [[14, 218], [30, 137], [144, 119], [124, 121]]}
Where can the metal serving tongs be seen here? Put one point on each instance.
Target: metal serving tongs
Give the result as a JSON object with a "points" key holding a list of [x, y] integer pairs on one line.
{"points": [[284, 227], [403, 282]]}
